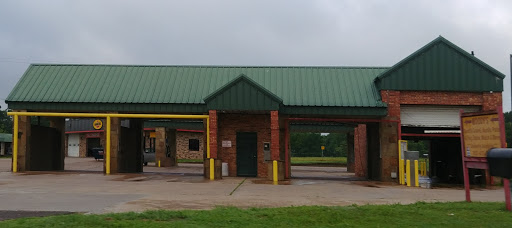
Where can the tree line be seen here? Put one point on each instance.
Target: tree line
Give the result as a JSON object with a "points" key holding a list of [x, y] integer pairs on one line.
{"points": [[309, 145]]}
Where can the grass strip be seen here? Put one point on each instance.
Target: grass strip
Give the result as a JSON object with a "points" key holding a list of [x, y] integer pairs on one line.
{"points": [[454, 214]]}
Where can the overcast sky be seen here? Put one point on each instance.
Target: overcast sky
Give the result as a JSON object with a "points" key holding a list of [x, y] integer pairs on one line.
{"points": [[314, 33]]}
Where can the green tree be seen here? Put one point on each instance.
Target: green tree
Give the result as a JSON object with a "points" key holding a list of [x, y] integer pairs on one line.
{"points": [[5, 122], [309, 145]]}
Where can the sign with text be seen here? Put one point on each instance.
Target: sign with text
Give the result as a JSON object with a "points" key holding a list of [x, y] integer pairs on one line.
{"points": [[226, 143], [480, 133]]}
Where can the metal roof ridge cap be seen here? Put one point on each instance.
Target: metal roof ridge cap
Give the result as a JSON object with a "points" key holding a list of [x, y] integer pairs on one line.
{"points": [[212, 66]]}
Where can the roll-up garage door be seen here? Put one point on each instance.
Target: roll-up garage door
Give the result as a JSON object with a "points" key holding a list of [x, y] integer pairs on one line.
{"points": [[433, 116], [73, 145]]}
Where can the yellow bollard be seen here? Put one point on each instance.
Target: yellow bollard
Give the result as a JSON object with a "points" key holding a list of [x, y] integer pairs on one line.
{"points": [[416, 179], [158, 163], [423, 168], [274, 171], [212, 169], [401, 171], [408, 169]]}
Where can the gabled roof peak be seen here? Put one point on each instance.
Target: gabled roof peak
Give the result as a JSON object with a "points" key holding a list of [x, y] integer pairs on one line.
{"points": [[431, 44]]}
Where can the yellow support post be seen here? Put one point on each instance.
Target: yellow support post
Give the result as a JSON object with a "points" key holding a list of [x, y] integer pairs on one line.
{"points": [[107, 151], [408, 169], [158, 163], [212, 169], [424, 168], [15, 146], [274, 171], [402, 174], [416, 179]]}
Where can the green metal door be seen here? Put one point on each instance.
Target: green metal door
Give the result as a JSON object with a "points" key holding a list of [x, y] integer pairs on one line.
{"points": [[246, 154]]}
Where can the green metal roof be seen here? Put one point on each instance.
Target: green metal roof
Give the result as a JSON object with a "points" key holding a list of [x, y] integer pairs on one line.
{"points": [[183, 88], [441, 66], [5, 137], [242, 93]]}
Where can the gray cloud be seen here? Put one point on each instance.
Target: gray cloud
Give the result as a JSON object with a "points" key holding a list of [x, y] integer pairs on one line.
{"points": [[363, 33]]}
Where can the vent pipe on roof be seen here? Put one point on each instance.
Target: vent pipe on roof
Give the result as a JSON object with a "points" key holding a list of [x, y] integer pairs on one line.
{"points": [[472, 53]]}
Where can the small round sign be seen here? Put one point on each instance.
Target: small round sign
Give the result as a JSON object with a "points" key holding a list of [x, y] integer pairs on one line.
{"points": [[97, 124], [323, 147]]}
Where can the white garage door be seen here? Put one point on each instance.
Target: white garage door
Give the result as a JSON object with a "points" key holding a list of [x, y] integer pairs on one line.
{"points": [[433, 116], [73, 145]]}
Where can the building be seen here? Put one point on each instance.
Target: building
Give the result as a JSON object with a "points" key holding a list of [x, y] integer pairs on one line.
{"points": [[252, 110], [82, 135], [5, 144]]}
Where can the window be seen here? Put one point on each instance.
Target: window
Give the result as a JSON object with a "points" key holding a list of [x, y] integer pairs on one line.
{"points": [[193, 144]]}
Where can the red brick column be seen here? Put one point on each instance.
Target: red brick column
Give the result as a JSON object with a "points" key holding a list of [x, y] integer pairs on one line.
{"points": [[274, 135], [491, 101], [360, 151], [213, 133]]}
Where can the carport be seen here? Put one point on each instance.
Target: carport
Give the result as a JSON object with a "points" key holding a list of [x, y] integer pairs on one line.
{"points": [[249, 108], [48, 159]]}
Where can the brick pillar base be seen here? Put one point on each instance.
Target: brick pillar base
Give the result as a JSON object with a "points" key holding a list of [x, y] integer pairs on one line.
{"points": [[24, 132], [360, 151], [165, 147], [115, 134], [213, 133]]}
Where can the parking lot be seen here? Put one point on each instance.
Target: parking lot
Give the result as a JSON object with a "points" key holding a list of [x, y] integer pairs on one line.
{"points": [[183, 187]]}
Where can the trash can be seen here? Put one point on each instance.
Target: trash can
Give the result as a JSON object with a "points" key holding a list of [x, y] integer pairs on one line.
{"points": [[97, 153], [500, 162]]}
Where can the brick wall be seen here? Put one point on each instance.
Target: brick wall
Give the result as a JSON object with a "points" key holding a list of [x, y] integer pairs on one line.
{"points": [[213, 128], [491, 101], [360, 151], [182, 144], [230, 124], [82, 148]]}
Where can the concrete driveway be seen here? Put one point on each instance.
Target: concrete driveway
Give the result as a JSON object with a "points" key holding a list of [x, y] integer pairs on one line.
{"points": [[184, 188]]}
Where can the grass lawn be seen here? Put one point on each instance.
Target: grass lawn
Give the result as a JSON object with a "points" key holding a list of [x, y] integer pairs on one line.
{"points": [[190, 160], [6, 157], [339, 161], [459, 214]]}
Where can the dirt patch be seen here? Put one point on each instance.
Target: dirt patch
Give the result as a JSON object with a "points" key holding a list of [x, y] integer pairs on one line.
{"points": [[145, 204], [6, 215]]}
